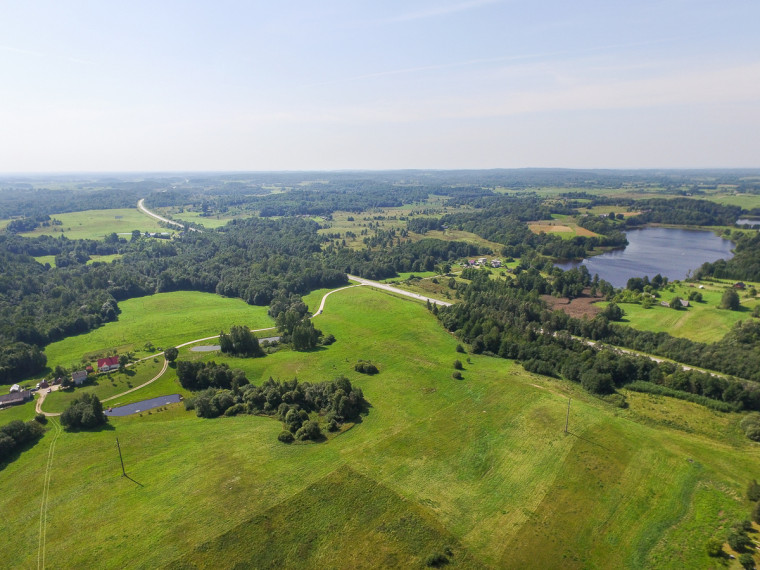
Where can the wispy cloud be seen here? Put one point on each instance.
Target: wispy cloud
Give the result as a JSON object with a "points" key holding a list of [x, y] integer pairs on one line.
{"points": [[496, 60], [686, 89]]}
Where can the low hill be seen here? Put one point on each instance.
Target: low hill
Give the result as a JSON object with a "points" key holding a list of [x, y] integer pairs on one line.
{"points": [[478, 471]]}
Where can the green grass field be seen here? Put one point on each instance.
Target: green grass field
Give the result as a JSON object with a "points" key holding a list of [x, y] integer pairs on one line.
{"points": [[107, 385], [480, 466], [702, 322], [43, 259], [164, 319], [96, 224], [211, 222]]}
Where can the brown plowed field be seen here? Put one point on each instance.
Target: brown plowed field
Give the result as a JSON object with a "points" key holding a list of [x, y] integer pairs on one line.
{"points": [[583, 305]]}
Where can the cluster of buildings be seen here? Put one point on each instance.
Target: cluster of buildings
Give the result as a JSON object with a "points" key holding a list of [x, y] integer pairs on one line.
{"points": [[483, 261], [19, 395]]}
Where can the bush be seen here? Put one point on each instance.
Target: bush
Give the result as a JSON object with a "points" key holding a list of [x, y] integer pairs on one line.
{"points": [[457, 375], [40, 418], [756, 513], [16, 434], [460, 348], [285, 437], [436, 560], [714, 547], [309, 430], [457, 365], [738, 540], [747, 561], [366, 367], [235, 410], [730, 300]]}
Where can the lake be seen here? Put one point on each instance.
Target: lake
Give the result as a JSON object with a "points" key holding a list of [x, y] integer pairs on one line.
{"points": [[670, 252]]}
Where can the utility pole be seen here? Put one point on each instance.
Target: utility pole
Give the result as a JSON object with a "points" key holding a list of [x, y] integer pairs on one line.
{"points": [[567, 419], [124, 473]]}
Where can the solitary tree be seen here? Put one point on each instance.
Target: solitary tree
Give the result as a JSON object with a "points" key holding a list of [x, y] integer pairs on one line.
{"points": [[730, 300], [171, 354]]}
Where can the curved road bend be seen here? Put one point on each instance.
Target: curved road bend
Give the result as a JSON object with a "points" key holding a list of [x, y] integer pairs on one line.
{"points": [[144, 210]]}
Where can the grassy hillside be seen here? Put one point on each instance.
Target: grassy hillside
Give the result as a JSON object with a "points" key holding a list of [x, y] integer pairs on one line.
{"points": [[702, 321], [480, 466], [164, 319]]}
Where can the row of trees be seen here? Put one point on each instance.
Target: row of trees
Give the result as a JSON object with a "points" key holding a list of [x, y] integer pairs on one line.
{"points": [[509, 319]]}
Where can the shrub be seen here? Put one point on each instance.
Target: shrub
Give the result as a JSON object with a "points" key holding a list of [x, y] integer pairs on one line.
{"points": [[309, 430], [436, 560], [747, 561], [714, 547], [460, 348], [285, 437], [457, 365], [40, 418], [457, 375], [366, 367], [730, 300], [738, 540], [235, 410], [756, 513]]}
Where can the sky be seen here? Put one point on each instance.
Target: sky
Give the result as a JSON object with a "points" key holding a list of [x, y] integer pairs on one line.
{"points": [[91, 86]]}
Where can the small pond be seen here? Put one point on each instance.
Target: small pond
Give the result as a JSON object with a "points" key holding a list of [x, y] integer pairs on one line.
{"points": [[668, 251]]}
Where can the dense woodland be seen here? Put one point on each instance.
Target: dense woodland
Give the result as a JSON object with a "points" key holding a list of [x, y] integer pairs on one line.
{"points": [[507, 318], [276, 254]]}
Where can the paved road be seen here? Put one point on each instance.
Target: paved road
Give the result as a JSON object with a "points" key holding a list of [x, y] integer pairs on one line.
{"points": [[322, 304], [398, 291], [144, 210]]}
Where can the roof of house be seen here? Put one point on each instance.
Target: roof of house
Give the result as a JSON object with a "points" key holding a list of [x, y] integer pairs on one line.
{"points": [[15, 397], [110, 361], [79, 374]]}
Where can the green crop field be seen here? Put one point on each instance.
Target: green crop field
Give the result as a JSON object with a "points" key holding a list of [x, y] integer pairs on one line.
{"points": [[96, 224], [164, 319], [702, 322], [479, 468]]}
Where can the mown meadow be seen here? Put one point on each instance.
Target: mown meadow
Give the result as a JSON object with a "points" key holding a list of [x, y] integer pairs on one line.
{"points": [[163, 320], [478, 470], [702, 321], [96, 224]]}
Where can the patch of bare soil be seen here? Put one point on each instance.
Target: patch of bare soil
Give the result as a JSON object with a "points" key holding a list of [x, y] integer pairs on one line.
{"points": [[583, 305]]}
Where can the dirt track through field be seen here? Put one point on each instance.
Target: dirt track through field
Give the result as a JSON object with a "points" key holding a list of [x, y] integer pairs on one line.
{"points": [[46, 495]]}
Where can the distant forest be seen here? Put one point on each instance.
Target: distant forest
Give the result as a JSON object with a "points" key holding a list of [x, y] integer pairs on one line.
{"points": [[277, 251]]}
